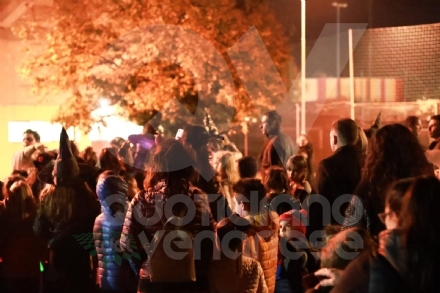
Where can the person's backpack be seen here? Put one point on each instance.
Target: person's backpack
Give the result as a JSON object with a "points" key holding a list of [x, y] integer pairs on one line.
{"points": [[172, 261]]}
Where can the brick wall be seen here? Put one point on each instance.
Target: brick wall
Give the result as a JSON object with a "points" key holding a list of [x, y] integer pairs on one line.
{"points": [[410, 53]]}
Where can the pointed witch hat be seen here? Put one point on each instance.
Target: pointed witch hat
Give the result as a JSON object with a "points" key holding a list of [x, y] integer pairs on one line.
{"points": [[66, 167], [375, 127]]}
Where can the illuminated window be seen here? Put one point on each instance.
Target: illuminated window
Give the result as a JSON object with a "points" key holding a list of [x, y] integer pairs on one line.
{"points": [[49, 132]]}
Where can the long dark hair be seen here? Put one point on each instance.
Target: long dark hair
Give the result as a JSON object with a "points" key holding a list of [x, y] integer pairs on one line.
{"points": [[396, 193], [420, 224], [20, 202], [169, 161], [393, 154], [109, 160], [58, 203], [277, 179]]}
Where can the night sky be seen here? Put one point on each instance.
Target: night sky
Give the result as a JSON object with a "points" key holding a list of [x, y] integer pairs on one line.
{"points": [[384, 13], [375, 13]]}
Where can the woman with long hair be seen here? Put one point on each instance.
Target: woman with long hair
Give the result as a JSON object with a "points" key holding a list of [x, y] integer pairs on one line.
{"points": [[109, 160], [169, 178], [228, 172], [393, 153], [306, 149], [20, 251], [419, 222], [278, 190], [356, 276], [64, 220], [297, 170]]}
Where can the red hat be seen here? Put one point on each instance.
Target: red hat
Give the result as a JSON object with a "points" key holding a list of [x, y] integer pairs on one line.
{"points": [[294, 218]]}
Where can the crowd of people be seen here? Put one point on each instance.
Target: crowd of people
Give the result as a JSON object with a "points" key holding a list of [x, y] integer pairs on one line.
{"points": [[191, 214]]}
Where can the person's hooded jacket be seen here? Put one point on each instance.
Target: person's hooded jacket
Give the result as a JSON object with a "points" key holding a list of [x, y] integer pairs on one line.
{"points": [[114, 272]]}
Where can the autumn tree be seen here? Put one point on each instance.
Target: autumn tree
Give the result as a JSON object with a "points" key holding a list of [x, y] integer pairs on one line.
{"points": [[152, 54]]}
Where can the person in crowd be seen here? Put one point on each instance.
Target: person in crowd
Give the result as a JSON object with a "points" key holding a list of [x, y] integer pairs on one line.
{"points": [[218, 143], [20, 250], [433, 151], [297, 170], [278, 192], [110, 160], [9, 182], [414, 124], [229, 146], [23, 159], [133, 188], [359, 275], [125, 152], [394, 153], [114, 273], [370, 132], [169, 173], [195, 139], [42, 161], [262, 245], [67, 213], [247, 167], [362, 145], [241, 274], [339, 252], [340, 173], [2, 185], [291, 268], [21, 173], [140, 178], [214, 149], [279, 146], [434, 132], [117, 143], [89, 156], [146, 141], [276, 182], [75, 152], [229, 176], [306, 149], [408, 259]]}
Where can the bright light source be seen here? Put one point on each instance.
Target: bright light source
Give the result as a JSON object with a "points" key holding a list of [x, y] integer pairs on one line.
{"points": [[254, 120], [104, 103], [104, 109], [246, 119]]}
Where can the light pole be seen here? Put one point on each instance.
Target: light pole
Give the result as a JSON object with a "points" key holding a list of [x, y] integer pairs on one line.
{"points": [[303, 66], [338, 15]]}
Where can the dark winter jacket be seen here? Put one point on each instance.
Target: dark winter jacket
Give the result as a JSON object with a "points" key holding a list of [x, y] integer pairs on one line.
{"points": [[363, 210], [71, 246], [142, 219], [114, 272], [381, 271], [277, 151]]}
